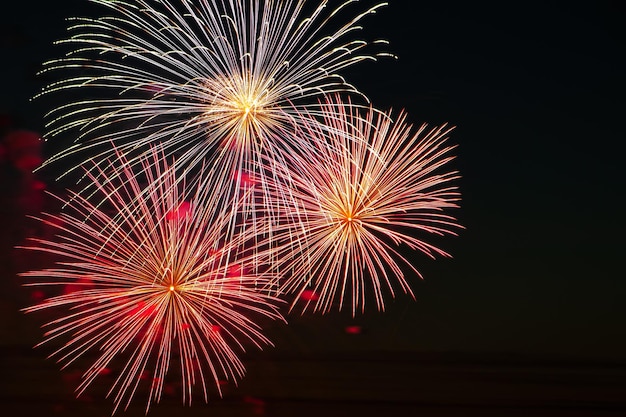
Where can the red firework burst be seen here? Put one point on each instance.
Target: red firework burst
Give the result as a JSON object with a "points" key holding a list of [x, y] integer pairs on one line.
{"points": [[149, 282]]}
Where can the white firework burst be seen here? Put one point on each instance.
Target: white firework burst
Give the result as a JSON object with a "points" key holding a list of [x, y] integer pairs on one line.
{"points": [[226, 80]]}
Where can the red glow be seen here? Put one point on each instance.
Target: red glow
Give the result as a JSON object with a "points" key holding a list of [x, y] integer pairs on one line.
{"points": [[81, 285], [27, 163], [38, 185], [257, 403], [245, 180], [71, 377], [105, 371], [309, 295], [253, 400], [23, 141], [142, 311], [55, 221], [37, 295], [216, 329], [213, 254], [195, 364], [168, 389], [30, 200], [353, 329], [180, 212], [235, 271], [185, 326], [86, 398], [23, 149]]}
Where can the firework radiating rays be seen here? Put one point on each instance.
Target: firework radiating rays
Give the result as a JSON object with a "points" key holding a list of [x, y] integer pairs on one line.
{"points": [[165, 290], [229, 171], [224, 80], [370, 186]]}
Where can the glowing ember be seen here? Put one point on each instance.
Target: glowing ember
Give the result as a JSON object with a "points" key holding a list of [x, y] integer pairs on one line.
{"points": [[353, 329], [309, 295]]}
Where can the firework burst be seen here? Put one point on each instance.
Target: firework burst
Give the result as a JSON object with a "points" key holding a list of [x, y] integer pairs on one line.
{"points": [[221, 79], [369, 187], [154, 286]]}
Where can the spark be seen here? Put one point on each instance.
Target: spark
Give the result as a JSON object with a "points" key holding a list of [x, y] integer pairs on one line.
{"points": [[149, 287]]}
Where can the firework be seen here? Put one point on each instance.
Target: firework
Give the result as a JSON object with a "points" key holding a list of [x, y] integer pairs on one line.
{"points": [[154, 286], [368, 188], [228, 80]]}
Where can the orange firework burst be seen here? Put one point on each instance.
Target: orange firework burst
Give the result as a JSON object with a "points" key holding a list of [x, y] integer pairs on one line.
{"points": [[369, 186], [153, 283]]}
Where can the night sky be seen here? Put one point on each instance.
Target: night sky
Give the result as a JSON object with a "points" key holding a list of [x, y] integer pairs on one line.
{"points": [[536, 92]]}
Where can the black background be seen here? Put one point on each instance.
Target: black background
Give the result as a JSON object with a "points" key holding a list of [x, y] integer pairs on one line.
{"points": [[536, 287]]}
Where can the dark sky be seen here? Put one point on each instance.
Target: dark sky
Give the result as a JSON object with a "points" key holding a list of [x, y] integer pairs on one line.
{"points": [[537, 93]]}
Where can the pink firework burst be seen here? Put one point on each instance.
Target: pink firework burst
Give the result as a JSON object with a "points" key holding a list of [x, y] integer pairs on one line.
{"points": [[149, 282], [369, 186]]}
